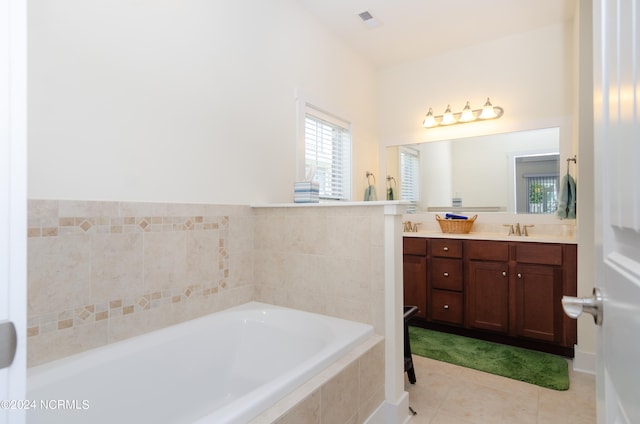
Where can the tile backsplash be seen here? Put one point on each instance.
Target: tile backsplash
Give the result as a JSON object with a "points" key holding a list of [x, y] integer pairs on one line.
{"points": [[99, 272]]}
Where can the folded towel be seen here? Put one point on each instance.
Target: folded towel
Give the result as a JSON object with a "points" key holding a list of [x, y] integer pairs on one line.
{"points": [[567, 198], [390, 194], [370, 194], [454, 216]]}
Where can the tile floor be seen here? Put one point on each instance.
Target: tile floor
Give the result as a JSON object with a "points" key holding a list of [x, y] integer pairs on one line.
{"points": [[449, 394]]}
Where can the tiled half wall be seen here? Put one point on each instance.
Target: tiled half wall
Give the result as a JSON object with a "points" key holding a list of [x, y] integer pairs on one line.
{"points": [[99, 272]]}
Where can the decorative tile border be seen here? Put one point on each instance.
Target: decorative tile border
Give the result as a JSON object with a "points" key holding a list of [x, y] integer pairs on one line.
{"points": [[39, 324], [129, 224], [83, 314]]}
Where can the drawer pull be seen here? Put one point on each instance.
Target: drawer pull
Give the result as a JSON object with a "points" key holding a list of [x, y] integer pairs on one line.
{"points": [[446, 274], [504, 273], [446, 306], [519, 275], [446, 249]]}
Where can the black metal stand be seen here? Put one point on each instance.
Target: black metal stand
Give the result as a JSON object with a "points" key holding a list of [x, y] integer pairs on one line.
{"points": [[409, 311]]}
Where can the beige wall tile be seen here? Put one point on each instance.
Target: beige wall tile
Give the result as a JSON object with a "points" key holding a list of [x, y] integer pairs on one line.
{"points": [[116, 266], [165, 260], [58, 273], [342, 394]]}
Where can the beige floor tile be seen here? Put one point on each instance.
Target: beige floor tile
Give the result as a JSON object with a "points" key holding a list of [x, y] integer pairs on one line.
{"points": [[448, 394]]}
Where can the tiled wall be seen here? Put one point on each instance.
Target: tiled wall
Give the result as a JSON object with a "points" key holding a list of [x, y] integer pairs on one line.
{"points": [[327, 259], [99, 272]]}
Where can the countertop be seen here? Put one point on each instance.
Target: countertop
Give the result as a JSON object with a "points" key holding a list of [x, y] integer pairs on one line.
{"points": [[533, 238]]}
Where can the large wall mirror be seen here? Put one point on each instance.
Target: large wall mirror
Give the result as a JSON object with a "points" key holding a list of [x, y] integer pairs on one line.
{"points": [[513, 172]]}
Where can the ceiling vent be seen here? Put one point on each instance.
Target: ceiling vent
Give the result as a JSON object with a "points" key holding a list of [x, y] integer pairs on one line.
{"points": [[368, 19]]}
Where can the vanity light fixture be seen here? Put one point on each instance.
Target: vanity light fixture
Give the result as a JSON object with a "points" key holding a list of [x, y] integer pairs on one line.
{"points": [[487, 112]]}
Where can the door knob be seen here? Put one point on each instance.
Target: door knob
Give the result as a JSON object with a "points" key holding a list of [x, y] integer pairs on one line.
{"points": [[8, 343], [574, 306]]}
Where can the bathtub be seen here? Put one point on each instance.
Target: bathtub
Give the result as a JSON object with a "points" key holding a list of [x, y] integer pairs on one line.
{"points": [[226, 367]]}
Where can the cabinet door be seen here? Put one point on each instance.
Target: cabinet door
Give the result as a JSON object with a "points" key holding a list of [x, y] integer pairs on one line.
{"points": [[415, 283], [538, 302], [488, 296]]}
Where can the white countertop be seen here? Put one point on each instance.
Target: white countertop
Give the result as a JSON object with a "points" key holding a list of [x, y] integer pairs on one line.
{"points": [[534, 238]]}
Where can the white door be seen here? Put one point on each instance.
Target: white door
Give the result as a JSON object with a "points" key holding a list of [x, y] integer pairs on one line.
{"points": [[13, 74], [617, 140]]}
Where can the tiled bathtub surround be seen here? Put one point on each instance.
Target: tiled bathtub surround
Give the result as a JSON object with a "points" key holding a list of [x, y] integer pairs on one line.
{"points": [[99, 272], [323, 259]]}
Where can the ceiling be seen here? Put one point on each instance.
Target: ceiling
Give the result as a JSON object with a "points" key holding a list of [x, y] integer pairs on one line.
{"points": [[408, 30]]}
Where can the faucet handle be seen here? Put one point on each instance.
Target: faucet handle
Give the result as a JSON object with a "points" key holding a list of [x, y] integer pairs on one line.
{"points": [[524, 229], [510, 228]]}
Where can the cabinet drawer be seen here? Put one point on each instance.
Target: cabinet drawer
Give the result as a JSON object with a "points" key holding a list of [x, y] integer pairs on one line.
{"points": [[446, 248], [486, 250], [414, 246], [534, 253], [446, 306], [446, 274]]}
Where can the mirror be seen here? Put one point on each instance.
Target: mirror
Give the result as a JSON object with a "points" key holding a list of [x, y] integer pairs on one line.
{"points": [[513, 172]]}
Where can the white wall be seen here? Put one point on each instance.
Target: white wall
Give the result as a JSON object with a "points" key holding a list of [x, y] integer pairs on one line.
{"points": [[189, 101], [528, 74]]}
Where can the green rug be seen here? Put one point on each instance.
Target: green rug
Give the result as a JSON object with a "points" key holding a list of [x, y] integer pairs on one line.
{"points": [[534, 367]]}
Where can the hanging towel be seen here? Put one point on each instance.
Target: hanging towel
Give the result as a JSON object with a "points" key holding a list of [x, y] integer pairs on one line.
{"points": [[567, 198], [370, 194], [390, 194]]}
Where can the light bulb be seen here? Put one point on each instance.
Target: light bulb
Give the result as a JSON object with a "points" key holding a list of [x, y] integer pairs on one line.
{"points": [[447, 118], [467, 114], [487, 111], [429, 120]]}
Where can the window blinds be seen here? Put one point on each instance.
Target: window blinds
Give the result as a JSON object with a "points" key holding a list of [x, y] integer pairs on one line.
{"points": [[409, 176], [328, 150]]}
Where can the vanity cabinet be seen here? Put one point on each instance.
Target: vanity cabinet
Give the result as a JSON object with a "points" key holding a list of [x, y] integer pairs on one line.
{"points": [[487, 275], [506, 291], [543, 273], [415, 274], [446, 302]]}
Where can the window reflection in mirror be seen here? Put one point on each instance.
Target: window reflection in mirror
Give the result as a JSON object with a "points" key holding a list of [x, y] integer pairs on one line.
{"points": [[487, 173]]}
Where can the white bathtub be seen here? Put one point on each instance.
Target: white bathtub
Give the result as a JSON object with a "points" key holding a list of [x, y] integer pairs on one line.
{"points": [[227, 367]]}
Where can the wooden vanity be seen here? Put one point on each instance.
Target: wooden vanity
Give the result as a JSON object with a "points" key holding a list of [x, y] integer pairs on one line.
{"points": [[504, 291]]}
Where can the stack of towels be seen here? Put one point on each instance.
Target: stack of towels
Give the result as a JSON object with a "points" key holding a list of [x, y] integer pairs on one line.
{"points": [[306, 192]]}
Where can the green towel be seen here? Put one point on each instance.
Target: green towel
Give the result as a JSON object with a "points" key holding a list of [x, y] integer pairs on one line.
{"points": [[370, 194], [567, 198], [390, 194]]}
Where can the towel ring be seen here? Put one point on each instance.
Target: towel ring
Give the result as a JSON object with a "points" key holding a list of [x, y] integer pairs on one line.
{"points": [[574, 159], [389, 179], [370, 174]]}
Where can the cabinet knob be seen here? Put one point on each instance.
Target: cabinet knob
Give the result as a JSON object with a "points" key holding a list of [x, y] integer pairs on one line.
{"points": [[519, 275], [446, 249], [504, 273], [446, 306], [446, 274]]}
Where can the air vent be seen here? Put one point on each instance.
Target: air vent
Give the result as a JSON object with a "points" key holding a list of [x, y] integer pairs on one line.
{"points": [[368, 19], [365, 16]]}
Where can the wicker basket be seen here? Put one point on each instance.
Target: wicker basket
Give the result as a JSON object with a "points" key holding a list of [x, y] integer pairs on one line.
{"points": [[456, 226]]}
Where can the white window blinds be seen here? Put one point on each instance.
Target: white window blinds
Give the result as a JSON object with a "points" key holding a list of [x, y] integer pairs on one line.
{"points": [[328, 150], [409, 176]]}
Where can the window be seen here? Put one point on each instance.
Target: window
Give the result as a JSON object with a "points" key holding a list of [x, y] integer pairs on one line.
{"points": [[327, 149], [537, 183], [409, 177], [543, 193]]}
